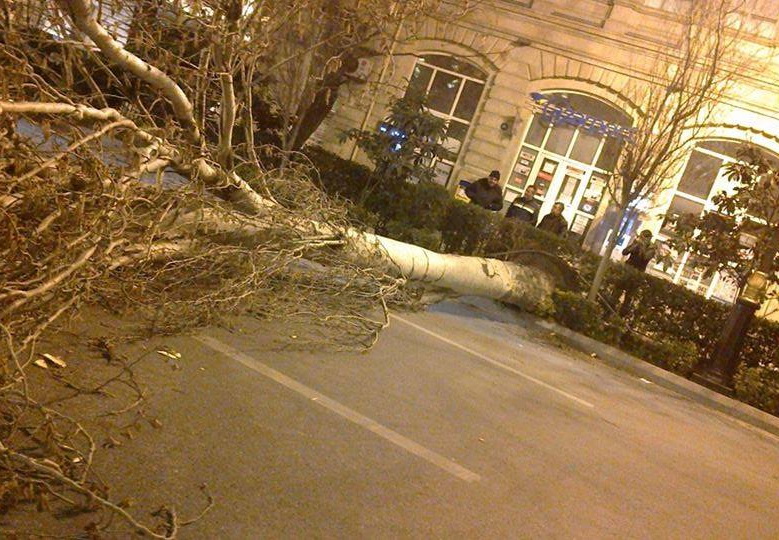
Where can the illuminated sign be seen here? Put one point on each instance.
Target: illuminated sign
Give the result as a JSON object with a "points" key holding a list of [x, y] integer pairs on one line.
{"points": [[559, 112]]}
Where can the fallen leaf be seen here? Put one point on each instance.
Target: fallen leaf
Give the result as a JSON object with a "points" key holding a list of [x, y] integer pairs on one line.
{"points": [[169, 355], [481, 439], [155, 423], [57, 361], [41, 363]]}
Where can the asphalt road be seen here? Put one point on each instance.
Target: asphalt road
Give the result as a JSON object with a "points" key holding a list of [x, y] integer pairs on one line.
{"points": [[453, 426]]}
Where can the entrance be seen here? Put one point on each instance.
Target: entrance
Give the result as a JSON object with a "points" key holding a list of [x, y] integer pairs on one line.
{"points": [[579, 188], [566, 157]]}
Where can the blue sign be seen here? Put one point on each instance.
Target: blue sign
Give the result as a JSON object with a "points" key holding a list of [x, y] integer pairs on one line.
{"points": [[562, 113]]}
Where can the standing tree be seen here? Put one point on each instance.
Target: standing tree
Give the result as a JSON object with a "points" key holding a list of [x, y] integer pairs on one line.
{"points": [[683, 86], [740, 239], [404, 146]]}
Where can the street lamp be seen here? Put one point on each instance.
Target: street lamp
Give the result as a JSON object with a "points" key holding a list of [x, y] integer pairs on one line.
{"points": [[718, 372]]}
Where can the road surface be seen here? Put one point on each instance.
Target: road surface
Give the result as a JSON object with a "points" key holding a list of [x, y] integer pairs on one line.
{"points": [[453, 426]]}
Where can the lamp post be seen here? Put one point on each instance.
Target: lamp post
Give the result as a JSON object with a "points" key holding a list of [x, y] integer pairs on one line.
{"points": [[718, 372]]}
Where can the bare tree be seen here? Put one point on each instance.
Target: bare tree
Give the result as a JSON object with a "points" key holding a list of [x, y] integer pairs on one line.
{"points": [[683, 86]]}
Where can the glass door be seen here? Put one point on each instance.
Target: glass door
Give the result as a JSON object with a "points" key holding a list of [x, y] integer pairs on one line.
{"points": [[564, 185]]}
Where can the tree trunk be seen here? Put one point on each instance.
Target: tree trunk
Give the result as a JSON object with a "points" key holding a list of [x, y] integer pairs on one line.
{"points": [[605, 260], [524, 286]]}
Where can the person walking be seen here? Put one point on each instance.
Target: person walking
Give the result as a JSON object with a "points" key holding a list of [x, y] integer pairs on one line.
{"points": [[525, 207], [486, 192], [554, 222]]}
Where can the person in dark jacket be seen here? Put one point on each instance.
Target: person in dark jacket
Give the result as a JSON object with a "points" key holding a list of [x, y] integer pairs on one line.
{"points": [[640, 251], [486, 192], [554, 222], [525, 207]]}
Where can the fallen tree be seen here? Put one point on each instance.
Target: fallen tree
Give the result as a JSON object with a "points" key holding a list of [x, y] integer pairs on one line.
{"points": [[90, 211]]}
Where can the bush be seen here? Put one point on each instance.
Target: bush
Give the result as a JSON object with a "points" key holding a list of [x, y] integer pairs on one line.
{"points": [[422, 206], [574, 311], [466, 228], [339, 176], [426, 238], [669, 312], [758, 386], [666, 352], [512, 236]]}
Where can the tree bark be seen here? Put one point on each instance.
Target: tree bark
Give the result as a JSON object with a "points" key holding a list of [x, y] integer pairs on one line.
{"points": [[524, 286], [603, 265]]}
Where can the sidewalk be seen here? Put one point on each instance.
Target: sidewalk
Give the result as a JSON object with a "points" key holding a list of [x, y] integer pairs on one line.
{"points": [[635, 366]]}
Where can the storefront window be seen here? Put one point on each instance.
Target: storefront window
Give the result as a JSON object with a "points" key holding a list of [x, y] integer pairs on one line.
{"points": [[571, 145], [704, 176], [454, 89]]}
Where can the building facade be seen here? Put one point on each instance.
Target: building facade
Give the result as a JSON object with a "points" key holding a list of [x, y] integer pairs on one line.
{"points": [[498, 73]]}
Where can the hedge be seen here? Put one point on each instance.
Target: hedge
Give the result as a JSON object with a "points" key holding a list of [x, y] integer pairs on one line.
{"points": [[679, 326]]}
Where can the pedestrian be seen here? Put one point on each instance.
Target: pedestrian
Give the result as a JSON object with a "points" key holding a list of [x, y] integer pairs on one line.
{"points": [[525, 207], [554, 222], [486, 192], [639, 252]]}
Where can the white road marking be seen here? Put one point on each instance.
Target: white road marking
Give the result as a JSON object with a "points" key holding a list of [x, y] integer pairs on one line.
{"points": [[501, 365], [342, 410]]}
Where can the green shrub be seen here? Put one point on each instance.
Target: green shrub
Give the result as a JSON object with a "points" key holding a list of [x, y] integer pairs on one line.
{"points": [[574, 311], [666, 352], [426, 238], [466, 227], [339, 176], [512, 236], [758, 386], [423, 205]]}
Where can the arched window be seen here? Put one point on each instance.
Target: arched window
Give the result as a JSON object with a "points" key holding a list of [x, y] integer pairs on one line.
{"points": [[453, 89], [704, 176], [571, 143]]}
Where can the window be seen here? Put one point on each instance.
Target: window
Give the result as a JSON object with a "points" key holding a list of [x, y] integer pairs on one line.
{"points": [[700, 174], [704, 176], [569, 150], [454, 89]]}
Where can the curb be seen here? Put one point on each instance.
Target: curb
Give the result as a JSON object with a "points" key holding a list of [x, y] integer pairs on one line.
{"points": [[635, 366]]}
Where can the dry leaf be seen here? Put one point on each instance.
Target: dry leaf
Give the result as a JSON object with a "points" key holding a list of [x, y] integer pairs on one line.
{"points": [[169, 355], [41, 363], [56, 360]]}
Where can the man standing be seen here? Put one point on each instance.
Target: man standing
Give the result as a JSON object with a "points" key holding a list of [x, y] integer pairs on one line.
{"points": [[640, 251], [525, 207], [486, 192], [554, 222]]}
